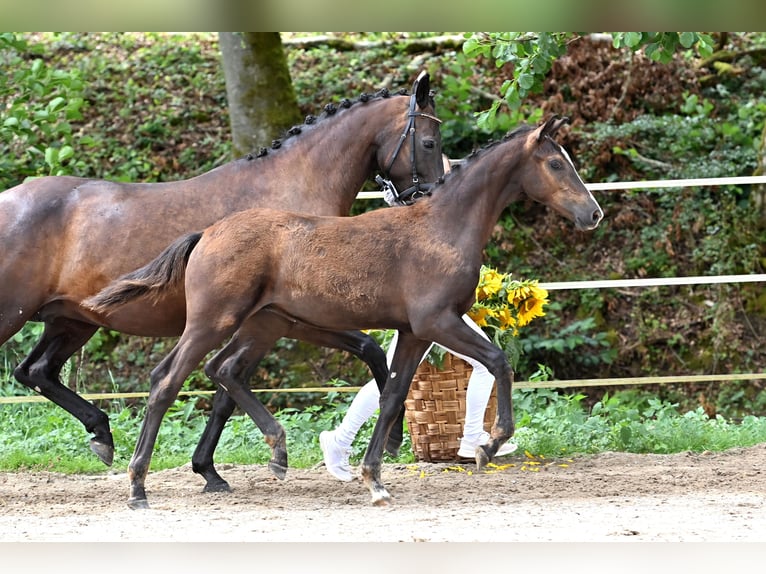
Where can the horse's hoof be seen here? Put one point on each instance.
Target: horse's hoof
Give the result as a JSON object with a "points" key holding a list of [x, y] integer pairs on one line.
{"points": [[278, 470], [381, 499], [218, 486], [103, 451], [482, 458], [138, 504]]}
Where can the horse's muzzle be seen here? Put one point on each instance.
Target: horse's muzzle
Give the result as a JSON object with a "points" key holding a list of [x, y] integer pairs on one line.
{"points": [[591, 221]]}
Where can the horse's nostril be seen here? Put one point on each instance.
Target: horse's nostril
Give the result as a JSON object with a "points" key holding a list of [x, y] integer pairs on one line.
{"points": [[597, 216]]}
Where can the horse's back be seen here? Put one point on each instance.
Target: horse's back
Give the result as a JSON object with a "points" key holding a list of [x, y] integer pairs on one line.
{"points": [[349, 267]]}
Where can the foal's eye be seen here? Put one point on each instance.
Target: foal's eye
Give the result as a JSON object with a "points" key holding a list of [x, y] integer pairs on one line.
{"points": [[429, 144], [556, 164]]}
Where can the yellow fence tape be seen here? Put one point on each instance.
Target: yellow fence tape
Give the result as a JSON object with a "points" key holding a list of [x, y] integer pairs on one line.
{"points": [[562, 384]]}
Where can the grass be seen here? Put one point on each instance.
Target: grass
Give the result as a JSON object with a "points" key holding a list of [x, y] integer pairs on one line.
{"points": [[41, 436]]}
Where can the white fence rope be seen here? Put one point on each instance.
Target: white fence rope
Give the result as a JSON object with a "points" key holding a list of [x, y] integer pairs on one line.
{"points": [[650, 184], [654, 281]]}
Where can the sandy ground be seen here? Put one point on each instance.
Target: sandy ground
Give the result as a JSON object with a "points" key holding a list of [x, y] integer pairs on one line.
{"points": [[710, 497]]}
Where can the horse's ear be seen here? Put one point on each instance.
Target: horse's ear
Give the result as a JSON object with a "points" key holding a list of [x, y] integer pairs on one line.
{"points": [[422, 88], [550, 127]]}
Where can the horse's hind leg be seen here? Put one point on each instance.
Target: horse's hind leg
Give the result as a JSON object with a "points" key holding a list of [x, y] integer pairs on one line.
{"points": [[166, 380], [231, 368], [40, 372]]}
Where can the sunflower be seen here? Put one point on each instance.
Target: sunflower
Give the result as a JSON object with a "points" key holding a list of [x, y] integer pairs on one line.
{"points": [[504, 305]]}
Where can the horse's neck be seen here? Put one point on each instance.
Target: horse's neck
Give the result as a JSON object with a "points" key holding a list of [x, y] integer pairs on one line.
{"points": [[320, 170], [472, 200]]}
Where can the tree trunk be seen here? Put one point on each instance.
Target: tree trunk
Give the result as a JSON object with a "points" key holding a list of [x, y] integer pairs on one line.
{"points": [[261, 99]]}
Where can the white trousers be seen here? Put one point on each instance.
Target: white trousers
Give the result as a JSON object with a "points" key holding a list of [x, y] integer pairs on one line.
{"points": [[367, 400]]}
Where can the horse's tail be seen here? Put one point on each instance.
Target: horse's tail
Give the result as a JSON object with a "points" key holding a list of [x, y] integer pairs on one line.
{"points": [[164, 272]]}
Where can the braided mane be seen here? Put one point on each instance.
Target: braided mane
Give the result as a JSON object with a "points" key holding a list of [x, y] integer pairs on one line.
{"points": [[328, 111]]}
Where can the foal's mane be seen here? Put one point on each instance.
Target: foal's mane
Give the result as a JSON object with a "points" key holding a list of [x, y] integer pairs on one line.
{"points": [[330, 110], [471, 158]]}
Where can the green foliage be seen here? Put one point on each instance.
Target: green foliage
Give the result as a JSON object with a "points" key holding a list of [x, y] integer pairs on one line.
{"points": [[565, 347], [41, 436], [691, 145], [37, 105], [661, 46], [555, 424], [458, 101], [531, 56]]}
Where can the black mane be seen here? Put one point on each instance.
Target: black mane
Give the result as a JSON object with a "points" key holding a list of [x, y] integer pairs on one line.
{"points": [[469, 159], [328, 111]]}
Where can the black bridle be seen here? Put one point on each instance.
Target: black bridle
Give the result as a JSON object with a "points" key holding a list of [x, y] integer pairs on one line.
{"points": [[417, 189]]}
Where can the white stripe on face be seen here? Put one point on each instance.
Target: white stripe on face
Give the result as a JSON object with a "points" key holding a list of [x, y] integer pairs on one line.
{"points": [[569, 159]]}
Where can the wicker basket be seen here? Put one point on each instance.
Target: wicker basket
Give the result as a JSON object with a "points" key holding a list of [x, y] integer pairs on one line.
{"points": [[435, 409]]}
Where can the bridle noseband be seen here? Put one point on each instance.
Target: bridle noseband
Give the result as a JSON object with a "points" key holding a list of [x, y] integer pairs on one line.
{"points": [[417, 189]]}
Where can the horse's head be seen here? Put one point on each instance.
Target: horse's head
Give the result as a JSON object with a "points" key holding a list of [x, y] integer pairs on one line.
{"points": [[552, 179], [410, 152]]}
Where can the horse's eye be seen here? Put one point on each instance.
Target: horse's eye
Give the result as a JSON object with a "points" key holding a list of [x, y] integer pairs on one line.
{"points": [[556, 164], [429, 144]]}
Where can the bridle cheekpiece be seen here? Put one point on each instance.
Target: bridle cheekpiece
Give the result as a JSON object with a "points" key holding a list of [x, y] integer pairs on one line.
{"points": [[417, 189]]}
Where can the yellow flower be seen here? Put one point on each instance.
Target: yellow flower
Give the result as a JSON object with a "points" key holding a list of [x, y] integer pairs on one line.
{"points": [[479, 315], [489, 284], [538, 292], [529, 309], [507, 320], [517, 294], [504, 305]]}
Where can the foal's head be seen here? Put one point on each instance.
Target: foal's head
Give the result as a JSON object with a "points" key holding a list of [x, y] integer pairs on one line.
{"points": [[551, 178], [411, 152]]}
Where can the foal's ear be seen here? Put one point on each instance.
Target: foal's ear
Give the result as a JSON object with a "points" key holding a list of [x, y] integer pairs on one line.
{"points": [[422, 88], [550, 127]]}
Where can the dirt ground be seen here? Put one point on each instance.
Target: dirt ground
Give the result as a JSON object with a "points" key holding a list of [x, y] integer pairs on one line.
{"points": [[712, 497]]}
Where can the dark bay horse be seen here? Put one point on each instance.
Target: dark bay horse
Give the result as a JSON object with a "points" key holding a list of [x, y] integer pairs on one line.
{"points": [[65, 238], [413, 269]]}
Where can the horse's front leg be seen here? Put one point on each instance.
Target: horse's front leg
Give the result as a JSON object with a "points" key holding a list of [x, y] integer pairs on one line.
{"points": [[451, 332], [407, 356]]}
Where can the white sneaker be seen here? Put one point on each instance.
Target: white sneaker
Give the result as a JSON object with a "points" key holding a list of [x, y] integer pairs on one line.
{"points": [[468, 447], [335, 456]]}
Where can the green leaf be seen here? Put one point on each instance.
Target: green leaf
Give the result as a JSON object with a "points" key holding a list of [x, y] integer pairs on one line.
{"points": [[56, 104], [51, 156], [486, 120], [472, 47], [687, 39], [633, 39], [526, 81], [65, 153], [651, 51]]}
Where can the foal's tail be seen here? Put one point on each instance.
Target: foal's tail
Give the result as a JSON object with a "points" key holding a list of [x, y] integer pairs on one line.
{"points": [[164, 272]]}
